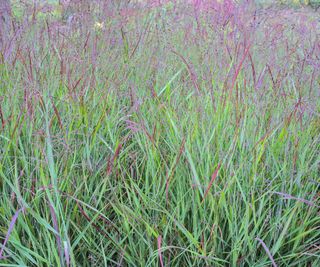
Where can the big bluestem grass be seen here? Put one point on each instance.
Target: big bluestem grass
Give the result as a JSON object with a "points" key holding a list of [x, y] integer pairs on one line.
{"points": [[159, 133]]}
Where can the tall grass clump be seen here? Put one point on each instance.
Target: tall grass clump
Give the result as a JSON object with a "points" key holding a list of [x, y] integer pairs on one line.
{"points": [[159, 133]]}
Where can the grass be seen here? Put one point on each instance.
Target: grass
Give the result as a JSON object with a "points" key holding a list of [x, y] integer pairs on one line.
{"points": [[172, 135]]}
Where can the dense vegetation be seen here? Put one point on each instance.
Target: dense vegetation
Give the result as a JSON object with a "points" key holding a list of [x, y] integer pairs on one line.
{"points": [[159, 133]]}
